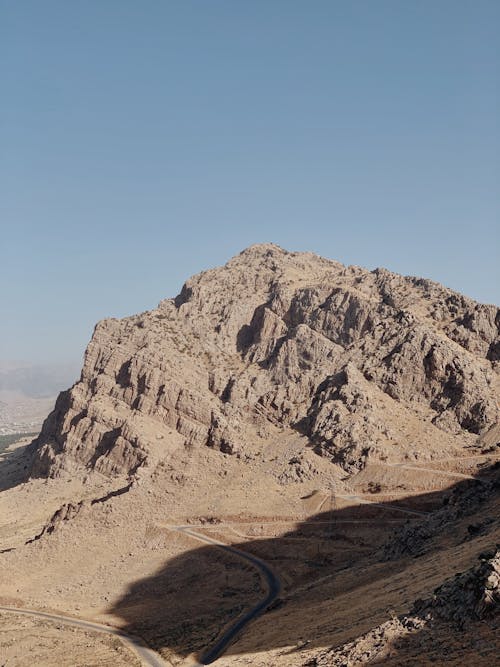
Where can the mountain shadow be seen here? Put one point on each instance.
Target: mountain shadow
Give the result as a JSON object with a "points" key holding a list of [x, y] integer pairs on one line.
{"points": [[342, 572], [14, 463]]}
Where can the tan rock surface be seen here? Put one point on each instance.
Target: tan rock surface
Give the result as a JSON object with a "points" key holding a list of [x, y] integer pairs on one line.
{"points": [[350, 358]]}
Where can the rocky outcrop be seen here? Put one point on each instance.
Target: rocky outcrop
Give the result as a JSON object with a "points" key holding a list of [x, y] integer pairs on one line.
{"points": [[457, 604], [286, 341], [66, 513], [416, 538], [470, 595]]}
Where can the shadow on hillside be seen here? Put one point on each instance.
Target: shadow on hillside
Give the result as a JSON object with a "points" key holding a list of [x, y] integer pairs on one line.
{"points": [[444, 643], [14, 466], [185, 606]]}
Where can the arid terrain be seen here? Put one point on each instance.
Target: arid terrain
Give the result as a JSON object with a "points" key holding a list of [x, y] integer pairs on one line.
{"points": [[308, 449]]}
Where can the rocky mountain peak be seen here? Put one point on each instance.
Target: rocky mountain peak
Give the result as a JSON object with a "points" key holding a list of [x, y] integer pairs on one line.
{"points": [[279, 342]]}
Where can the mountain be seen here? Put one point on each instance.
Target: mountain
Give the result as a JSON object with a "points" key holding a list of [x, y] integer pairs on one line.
{"points": [[291, 463], [35, 380], [366, 365]]}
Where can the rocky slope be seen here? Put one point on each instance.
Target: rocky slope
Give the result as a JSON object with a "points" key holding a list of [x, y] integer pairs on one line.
{"points": [[367, 365], [454, 609]]}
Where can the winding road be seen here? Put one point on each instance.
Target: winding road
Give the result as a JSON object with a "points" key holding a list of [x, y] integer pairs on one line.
{"points": [[270, 579], [147, 655], [271, 582]]}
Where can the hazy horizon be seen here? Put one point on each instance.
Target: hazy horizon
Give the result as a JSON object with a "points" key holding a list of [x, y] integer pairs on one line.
{"points": [[144, 144]]}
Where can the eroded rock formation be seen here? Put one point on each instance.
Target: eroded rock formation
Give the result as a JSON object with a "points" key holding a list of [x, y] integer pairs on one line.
{"points": [[366, 364]]}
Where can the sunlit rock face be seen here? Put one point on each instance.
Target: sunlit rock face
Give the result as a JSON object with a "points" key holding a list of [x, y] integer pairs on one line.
{"points": [[358, 361]]}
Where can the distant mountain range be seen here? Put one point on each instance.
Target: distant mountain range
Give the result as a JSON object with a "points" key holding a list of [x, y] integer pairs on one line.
{"points": [[36, 380], [28, 391]]}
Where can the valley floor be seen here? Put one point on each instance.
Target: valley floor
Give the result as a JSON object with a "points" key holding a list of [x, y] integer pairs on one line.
{"points": [[351, 558]]}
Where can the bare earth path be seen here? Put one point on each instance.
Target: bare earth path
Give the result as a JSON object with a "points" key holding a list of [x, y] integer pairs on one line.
{"points": [[446, 473], [365, 501]]}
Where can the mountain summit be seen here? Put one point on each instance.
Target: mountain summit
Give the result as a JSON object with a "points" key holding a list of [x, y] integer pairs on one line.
{"points": [[366, 365]]}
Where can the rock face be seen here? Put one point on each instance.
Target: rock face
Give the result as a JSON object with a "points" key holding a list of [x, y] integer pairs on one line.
{"points": [[365, 364], [472, 594]]}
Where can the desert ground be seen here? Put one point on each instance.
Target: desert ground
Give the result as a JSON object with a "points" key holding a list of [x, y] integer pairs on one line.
{"points": [[106, 564]]}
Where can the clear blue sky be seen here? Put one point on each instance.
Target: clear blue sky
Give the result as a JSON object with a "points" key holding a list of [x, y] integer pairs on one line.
{"points": [[143, 141]]}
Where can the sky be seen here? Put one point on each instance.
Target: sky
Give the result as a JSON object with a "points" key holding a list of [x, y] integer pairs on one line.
{"points": [[144, 141]]}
